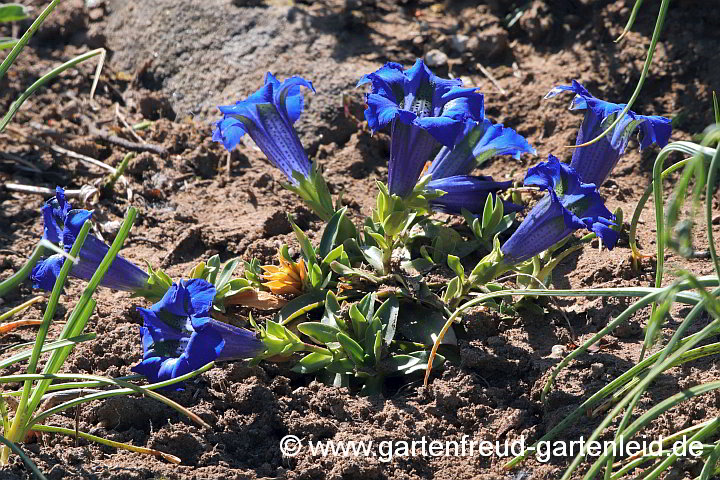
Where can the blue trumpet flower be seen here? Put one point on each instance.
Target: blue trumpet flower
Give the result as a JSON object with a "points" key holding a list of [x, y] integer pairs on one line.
{"points": [[569, 205], [424, 110], [478, 142], [179, 336], [62, 224], [468, 192], [268, 116], [595, 162]]}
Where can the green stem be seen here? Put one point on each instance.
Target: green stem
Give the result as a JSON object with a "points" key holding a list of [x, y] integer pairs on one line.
{"points": [[43, 80], [646, 68], [19, 308], [17, 429], [712, 180], [18, 277], [619, 384], [26, 38], [82, 311], [127, 389], [687, 148], [26, 460], [105, 441], [631, 20]]}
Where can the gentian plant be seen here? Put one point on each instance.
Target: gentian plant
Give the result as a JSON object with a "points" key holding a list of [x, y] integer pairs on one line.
{"points": [[593, 163], [268, 116], [569, 205], [62, 225], [424, 111], [179, 336]]}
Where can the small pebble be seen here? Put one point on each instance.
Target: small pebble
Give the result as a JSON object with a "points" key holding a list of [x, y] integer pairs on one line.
{"points": [[596, 370], [459, 42], [435, 58], [558, 351]]}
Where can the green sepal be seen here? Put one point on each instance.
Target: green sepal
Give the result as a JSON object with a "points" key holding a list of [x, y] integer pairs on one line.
{"points": [[157, 284]]}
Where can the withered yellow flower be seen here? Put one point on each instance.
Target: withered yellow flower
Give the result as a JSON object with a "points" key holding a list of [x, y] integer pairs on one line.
{"points": [[287, 278]]}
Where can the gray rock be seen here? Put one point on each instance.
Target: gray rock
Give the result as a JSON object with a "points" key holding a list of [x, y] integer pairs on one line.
{"points": [[436, 58], [459, 42], [216, 53]]}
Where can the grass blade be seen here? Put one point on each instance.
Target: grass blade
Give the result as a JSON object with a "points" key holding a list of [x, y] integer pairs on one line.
{"points": [[105, 441], [5, 65], [26, 460]]}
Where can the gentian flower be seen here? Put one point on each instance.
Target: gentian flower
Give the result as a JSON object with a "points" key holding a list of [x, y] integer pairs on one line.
{"points": [[62, 224], [569, 205], [424, 110], [595, 162], [179, 336], [469, 192], [478, 142], [268, 116]]}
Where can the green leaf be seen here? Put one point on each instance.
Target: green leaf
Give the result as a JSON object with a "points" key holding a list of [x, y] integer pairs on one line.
{"points": [[237, 285], [367, 305], [332, 309], [213, 267], [344, 270], [316, 275], [487, 213], [371, 332], [226, 273], [319, 332], [456, 266], [299, 306], [312, 363], [374, 258], [341, 366], [304, 241], [377, 347], [198, 270], [379, 239], [504, 223], [330, 234], [413, 362], [12, 12], [388, 316], [352, 348], [333, 255], [7, 42], [497, 214], [359, 322], [452, 291], [394, 223]]}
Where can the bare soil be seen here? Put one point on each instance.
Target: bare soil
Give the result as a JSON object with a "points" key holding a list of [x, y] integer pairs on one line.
{"points": [[173, 61]]}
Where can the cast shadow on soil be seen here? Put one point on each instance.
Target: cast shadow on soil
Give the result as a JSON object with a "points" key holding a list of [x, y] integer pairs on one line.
{"points": [[353, 35]]}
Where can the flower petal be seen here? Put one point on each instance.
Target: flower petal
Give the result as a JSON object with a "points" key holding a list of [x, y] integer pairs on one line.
{"points": [[46, 271], [51, 231], [289, 96], [229, 131], [380, 111], [464, 191], [480, 142], [594, 162]]}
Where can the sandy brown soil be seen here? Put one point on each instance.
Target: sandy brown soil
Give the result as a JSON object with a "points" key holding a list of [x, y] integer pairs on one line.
{"points": [[172, 62]]}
